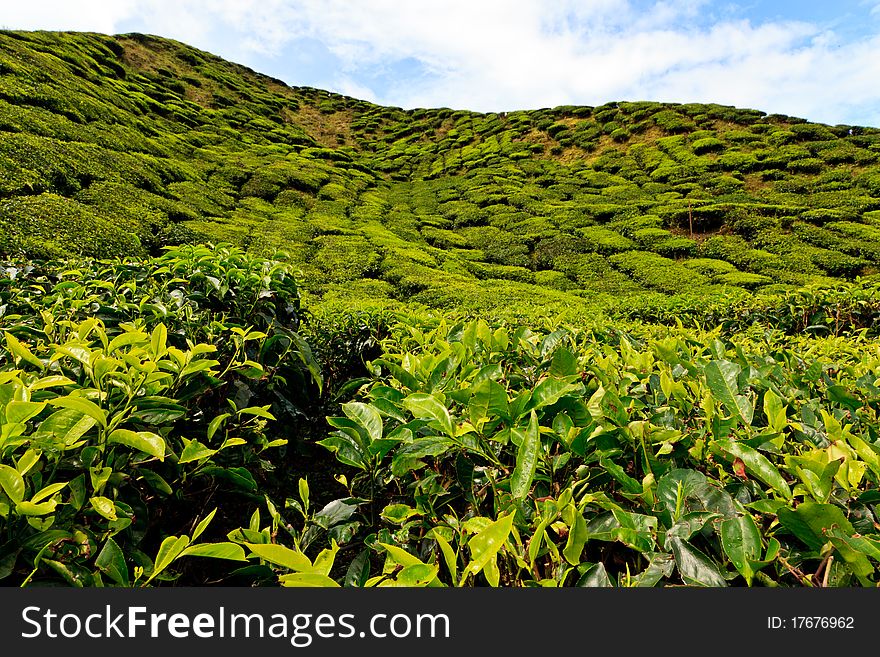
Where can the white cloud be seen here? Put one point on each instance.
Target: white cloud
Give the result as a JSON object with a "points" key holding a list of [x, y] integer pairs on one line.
{"points": [[87, 15], [494, 55], [506, 54], [349, 87]]}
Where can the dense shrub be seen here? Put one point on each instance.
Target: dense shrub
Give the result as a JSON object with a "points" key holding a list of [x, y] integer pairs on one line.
{"points": [[839, 264], [591, 403], [346, 258], [604, 240], [707, 145], [499, 246], [144, 387], [659, 273], [50, 226]]}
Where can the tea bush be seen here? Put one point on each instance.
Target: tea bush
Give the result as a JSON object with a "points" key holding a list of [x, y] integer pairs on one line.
{"points": [[503, 456], [129, 390], [657, 272]]}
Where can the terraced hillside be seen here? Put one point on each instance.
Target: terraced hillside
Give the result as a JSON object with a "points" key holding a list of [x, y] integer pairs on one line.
{"points": [[114, 146]]}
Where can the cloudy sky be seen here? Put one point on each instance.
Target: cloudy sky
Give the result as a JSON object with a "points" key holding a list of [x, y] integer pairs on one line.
{"points": [[818, 59]]}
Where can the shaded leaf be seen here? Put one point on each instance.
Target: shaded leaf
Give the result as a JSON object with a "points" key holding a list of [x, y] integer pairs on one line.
{"points": [[695, 568]]}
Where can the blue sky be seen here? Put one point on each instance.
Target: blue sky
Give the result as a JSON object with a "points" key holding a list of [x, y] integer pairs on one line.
{"points": [[817, 60]]}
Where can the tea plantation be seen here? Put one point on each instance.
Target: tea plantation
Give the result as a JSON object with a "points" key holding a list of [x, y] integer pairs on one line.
{"points": [[253, 334]]}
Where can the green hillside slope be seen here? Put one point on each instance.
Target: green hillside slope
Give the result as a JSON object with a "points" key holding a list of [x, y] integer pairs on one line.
{"points": [[119, 145]]}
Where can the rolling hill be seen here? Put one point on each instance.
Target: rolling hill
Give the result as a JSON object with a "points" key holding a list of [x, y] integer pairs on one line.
{"points": [[114, 146]]}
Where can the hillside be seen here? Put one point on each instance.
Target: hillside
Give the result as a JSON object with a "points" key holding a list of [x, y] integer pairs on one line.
{"points": [[253, 334], [116, 146]]}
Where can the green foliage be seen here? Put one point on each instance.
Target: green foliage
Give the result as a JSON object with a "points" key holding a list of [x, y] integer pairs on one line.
{"points": [[345, 258], [657, 272], [48, 225], [530, 458], [843, 309], [127, 390], [181, 147]]}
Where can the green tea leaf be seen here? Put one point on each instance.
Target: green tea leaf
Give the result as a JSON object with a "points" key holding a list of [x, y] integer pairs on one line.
{"points": [[156, 481], [215, 424], [145, 441], [169, 550], [203, 524], [159, 340], [19, 412], [487, 542], [27, 461], [367, 417], [689, 524], [563, 363], [334, 513], [721, 377], [26, 508], [347, 450], [67, 425], [548, 392], [398, 513], [75, 577], [577, 538], [629, 484], [303, 488], [775, 411], [18, 350], [526, 460], [488, 402], [194, 451], [82, 405], [696, 568], [756, 464], [865, 451], [257, 411], [111, 562], [281, 556], [449, 556], [741, 540], [661, 565], [683, 491], [401, 556], [595, 576], [225, 550], [50, 382], [358, 571], [409, 456], [425, 406], [313, 580], [12, 483], [126, 340], [810, 521], [104, 507], [400, 374], [864, 544], [48, 491], [405, 559], [416, 575]]}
